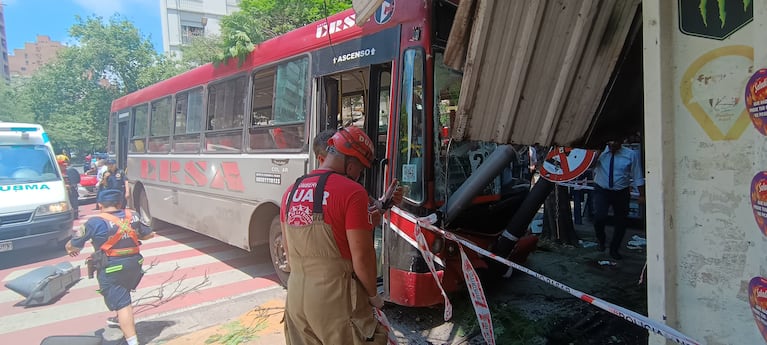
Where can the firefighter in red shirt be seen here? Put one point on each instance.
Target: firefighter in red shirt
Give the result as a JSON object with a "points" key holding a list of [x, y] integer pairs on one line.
{"points": [[329, 241]]}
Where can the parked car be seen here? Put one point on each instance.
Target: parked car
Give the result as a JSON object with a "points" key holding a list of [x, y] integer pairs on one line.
{"points": [[87, 190]]}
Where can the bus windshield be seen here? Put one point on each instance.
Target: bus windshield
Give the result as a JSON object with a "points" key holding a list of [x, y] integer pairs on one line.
{"points": [[457, 161], [26, 164]]}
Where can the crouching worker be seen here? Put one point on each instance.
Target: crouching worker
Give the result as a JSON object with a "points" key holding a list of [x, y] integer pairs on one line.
{"points": [[117, 262]]}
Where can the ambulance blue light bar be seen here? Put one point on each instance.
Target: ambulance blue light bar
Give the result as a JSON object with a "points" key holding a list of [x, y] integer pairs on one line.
{"points": [[19, 129]]}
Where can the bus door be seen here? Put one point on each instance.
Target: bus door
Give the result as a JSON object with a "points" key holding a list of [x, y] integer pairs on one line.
{"points": [[123, 134], [361, 98], [354, 86]]}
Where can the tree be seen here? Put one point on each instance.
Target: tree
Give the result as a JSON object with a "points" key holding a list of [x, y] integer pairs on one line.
{"points": [[163, 68], [202, 50], [13, 108], [70, 102], [260, 20], [115, 50], [72, 96]]}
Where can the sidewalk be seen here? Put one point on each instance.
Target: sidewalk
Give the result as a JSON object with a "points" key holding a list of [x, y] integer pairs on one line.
{"points": [[260, 326], [576, 265]]}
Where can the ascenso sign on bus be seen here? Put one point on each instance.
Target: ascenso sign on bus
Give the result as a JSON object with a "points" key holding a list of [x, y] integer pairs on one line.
{"points": [[197, 173]]}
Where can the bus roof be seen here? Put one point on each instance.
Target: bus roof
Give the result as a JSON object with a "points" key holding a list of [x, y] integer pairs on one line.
{"points": [[335, 29]]}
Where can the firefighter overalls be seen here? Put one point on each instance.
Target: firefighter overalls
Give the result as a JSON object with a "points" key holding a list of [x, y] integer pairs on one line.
{"points": [[326, 304]]}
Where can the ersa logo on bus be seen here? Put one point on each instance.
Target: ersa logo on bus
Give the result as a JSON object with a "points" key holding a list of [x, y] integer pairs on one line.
{"points": [[385, 12], [329, 28], [225, 175]]}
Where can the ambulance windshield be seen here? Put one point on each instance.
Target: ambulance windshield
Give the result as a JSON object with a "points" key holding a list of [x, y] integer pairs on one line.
{"points": [[26, 164]]}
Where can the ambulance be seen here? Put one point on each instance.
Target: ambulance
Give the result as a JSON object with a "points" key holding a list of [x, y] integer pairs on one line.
{"points": [[34, 205]]}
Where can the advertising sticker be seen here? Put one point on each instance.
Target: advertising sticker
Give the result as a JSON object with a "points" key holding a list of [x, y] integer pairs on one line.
{"points": [[756, 100], [757, 299], [759, 200]]}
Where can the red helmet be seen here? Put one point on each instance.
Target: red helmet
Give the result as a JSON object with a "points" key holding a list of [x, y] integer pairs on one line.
{"points": [[352, 141]]}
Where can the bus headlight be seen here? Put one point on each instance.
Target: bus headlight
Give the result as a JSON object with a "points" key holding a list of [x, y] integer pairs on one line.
{"points": [[54, 208]]}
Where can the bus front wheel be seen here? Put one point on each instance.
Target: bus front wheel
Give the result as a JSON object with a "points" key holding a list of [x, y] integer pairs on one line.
{"points": [[277, 250]]}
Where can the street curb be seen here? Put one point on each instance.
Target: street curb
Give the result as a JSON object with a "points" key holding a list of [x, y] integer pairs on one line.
{"points": [[194, 321]]}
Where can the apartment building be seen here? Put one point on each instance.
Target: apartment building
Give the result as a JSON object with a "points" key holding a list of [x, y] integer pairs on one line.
{"points": [[4, 47], [184, 19], [26, 61]]}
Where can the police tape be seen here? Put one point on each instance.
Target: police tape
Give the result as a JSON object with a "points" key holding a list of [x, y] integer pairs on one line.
{"points": [[478, 299], [477, 294], [628, 315], [428, 256], [381, 317]]}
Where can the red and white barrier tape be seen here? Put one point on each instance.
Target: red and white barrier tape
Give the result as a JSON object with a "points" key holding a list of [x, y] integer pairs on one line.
{"points": [[476, 292], [381, 317], [478, 299], [428, 256], [628, 315]]}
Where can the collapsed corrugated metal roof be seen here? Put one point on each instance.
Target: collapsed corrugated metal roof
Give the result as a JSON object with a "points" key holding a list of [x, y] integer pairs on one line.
{"points": [[535, 71], [363, 9]]}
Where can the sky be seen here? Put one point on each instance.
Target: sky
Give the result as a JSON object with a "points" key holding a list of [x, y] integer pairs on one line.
{"points": [[25, 19]]}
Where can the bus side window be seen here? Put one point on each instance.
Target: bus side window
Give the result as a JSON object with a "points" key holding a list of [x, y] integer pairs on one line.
{"points": [[159, 126], [140, 118], [225, 115], [278, 111], [261, 114], [188, 121]]}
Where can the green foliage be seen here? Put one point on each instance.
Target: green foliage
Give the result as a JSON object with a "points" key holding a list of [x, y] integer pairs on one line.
{"points": [[71, 97], [114, 50], [260, 20], [13, 107], [163, 68], [237, 333], [202, 50], [509, 325]]}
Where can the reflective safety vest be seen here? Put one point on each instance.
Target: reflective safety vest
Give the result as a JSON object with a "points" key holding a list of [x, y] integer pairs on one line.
{"points": [[123, 227]]}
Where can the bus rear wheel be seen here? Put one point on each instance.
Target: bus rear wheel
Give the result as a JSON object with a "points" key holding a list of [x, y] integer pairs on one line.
{"points": [[143, 209], [277, 250]]}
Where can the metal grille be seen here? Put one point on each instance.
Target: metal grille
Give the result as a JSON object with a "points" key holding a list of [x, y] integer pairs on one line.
{"points": [[15, 218]]}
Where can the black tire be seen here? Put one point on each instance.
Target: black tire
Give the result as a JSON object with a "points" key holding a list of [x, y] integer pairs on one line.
{"points": [[277, 252], [143, 209]]}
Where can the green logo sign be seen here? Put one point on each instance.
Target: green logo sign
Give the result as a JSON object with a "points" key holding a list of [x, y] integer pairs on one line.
{"points": [[715, 19]]}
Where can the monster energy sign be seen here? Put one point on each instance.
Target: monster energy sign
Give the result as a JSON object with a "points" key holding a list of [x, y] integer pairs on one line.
{"points": [[715, 19]]}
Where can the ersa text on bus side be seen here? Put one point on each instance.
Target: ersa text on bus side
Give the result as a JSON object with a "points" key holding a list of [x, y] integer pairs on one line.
{"points": [[198, 173]]}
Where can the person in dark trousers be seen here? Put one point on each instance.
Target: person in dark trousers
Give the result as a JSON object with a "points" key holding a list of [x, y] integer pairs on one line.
{"points": [[617, 169], [115, 233], [579, 195], [328, 238], [74, 180], [115, 179]]}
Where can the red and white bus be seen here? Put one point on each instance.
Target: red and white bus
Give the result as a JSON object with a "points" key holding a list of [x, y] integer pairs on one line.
{"points": [[213, 149]]}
